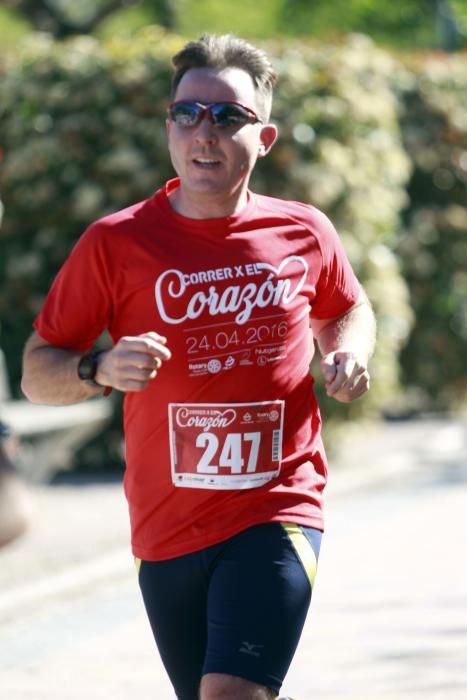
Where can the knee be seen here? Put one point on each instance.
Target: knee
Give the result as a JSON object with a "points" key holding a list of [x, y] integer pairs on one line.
{"points": [[220, 686]]}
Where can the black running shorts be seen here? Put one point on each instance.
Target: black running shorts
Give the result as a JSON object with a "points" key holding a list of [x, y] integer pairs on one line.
{"points": [[237, 607]]}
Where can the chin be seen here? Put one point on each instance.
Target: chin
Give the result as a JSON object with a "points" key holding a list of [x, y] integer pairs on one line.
{"points": [[207, 187]]}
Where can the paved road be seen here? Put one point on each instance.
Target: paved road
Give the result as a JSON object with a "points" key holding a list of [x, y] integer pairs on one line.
{"points": [[388, 619]]}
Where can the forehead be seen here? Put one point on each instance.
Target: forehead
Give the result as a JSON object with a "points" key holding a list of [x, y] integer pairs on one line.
{"points": [[212, 85]]}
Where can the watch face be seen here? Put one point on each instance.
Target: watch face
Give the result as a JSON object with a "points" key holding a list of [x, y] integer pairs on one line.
{"points": [[87, 367]]}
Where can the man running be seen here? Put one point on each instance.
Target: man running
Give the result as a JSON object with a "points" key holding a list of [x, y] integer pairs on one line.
{"points": [[212, 295]]}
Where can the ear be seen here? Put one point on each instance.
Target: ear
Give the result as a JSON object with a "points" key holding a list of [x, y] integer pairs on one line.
{"points": [[268, 137]]}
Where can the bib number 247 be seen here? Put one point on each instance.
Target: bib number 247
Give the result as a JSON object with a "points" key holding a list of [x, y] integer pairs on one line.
{"points": [[225, 446]]}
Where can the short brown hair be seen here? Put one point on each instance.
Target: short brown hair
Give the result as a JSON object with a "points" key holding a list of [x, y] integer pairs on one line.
{"points": [[228, 51]]}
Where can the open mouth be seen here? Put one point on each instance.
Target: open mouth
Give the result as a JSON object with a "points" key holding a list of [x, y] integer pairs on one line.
{"points": [[206, 162]]}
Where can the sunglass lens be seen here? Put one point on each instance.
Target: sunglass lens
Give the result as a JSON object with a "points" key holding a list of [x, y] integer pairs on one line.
{"points": [[229, 115], [184, 113]]}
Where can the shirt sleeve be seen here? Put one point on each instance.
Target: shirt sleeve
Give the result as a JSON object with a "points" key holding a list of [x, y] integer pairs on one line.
{"points": [[78, 306], [337, 288]]}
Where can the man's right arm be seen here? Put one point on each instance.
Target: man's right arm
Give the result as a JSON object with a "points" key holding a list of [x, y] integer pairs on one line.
{"points": [[50, 373]]}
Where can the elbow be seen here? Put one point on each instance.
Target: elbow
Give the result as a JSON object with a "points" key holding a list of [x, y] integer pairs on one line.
{"points": [[27, 388], [32, 371], [30, 380]]}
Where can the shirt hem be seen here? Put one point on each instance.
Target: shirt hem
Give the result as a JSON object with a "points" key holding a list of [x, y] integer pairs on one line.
{"points": [[161, 554]]}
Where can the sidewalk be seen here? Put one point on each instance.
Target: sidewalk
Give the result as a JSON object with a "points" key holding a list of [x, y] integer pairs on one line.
{"points": [[80, 531], [388, 619], [79, 534]]}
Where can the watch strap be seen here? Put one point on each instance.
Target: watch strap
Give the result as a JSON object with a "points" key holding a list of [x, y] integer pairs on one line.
{"points": [[90, 377]]}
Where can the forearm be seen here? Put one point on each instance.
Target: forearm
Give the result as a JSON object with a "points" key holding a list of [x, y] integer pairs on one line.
{"points": [[346, 344], [354, 332], [50, 376]]}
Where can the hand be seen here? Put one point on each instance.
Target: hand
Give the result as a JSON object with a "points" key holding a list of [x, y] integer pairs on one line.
{"points": [[347, 377], [133, 362]]}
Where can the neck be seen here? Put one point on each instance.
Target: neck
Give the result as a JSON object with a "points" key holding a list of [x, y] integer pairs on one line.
{"points": [[206, 206]]}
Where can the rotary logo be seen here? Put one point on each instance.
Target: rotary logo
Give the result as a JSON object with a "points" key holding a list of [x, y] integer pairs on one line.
{"points": [[214, 366]]}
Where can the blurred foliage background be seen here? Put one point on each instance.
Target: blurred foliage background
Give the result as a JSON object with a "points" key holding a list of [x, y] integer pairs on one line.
{"points": [[372, 111], [411, 24]]}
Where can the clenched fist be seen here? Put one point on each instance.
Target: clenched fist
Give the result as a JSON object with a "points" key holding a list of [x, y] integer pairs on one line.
{"points": [[133, 362], [346, 376]]}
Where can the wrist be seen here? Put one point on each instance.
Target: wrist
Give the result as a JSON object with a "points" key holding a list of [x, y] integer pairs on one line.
{"points": [[88, 369]]}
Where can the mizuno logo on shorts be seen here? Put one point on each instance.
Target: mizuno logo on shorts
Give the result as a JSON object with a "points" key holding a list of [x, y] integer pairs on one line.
{"points": [[251, 649]]}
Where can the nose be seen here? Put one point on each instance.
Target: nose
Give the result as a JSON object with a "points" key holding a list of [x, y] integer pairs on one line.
{"points": [[205, 131]]}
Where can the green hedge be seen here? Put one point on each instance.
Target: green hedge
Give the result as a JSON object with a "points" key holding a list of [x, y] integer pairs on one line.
{"points": [[82, 128], [341, 148], [432, 246]]}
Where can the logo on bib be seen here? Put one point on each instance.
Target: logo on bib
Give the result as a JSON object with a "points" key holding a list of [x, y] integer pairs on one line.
{"points": [[205, 418], [275, 286]]}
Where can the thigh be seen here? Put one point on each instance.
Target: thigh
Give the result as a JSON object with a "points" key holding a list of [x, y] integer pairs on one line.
{"points": [[174, 594], [259, 594]]}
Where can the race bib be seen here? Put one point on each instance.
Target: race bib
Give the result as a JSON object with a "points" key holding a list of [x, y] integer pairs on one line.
{"points": [[225, 445]]}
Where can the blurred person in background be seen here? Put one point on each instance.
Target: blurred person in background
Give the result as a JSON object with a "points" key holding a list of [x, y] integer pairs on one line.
{"points": [[14, 501], [212, 295]]}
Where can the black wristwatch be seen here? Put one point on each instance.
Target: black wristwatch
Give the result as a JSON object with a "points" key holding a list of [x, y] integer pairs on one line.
{"points": [[87, 368]]}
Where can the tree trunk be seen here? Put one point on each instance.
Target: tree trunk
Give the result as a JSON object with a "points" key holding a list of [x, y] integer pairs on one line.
{"points": [[45, 17]]}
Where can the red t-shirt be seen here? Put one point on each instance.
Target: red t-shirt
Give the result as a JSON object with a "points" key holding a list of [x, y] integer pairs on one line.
{"points": [[228, 434]]}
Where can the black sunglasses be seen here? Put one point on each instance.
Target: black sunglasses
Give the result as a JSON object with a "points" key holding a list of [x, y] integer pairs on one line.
{"points": [[187, 113]]}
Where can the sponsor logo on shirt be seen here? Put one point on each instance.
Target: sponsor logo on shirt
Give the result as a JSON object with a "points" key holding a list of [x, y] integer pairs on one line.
{"points": [[214, 366]]}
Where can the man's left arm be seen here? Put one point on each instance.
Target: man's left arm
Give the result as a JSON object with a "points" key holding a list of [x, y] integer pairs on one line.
{"points": [[346, 344]]}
